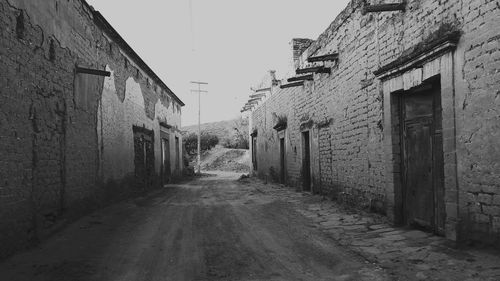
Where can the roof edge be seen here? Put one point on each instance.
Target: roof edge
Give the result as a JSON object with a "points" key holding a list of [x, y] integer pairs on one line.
{"points": [[106, 27], [334, 26]]}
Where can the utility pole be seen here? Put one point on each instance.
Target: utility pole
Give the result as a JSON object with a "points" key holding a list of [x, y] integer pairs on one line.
{"points": [[199, 91]]}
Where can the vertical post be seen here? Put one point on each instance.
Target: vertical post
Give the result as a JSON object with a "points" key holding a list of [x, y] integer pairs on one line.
{"points": [[199, 91], [199, 129]]}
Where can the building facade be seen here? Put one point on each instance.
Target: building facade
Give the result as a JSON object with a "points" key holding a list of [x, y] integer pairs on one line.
{"points": [[83, 119], [395, 107]]}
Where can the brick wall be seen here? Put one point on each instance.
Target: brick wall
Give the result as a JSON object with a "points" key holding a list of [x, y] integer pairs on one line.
{"points": [[59, 130], [478, 118], [346, 111]]}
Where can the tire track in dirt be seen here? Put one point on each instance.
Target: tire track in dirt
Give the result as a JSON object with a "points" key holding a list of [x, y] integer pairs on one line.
{"points": [[213, 228]]}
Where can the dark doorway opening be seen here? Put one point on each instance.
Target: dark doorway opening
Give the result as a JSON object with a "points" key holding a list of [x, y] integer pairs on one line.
{"points": [[177, 156], [306, 162], [165, 160], [144, 155], [254, 153], [282, 161], [422, 158]]}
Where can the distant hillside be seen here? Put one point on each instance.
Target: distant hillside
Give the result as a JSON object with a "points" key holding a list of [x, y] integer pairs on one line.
{"points": [[225, 159], [222, 129]]}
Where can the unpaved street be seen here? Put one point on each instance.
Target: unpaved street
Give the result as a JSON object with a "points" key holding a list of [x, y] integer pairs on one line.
{"points": [[214, 228]]}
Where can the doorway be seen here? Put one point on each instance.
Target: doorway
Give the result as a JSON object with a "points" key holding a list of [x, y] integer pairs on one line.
{"points": [[306, 162], [282, 161], [177, 156], [144, 155], [422, 160], [165, 160], [254, 153]]}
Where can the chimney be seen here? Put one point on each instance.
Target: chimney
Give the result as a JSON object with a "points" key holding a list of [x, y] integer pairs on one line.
{"points": [[272, 74]]}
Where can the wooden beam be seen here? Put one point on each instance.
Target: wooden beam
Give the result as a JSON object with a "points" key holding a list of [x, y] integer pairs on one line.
{"points": [[301, 78], [291, 85], [328, 57], [384, 8], [280, 127], [262, 90], [257, 95], [255, 99], [246, 109], [92, 71], [315, 69], [165, 125]]}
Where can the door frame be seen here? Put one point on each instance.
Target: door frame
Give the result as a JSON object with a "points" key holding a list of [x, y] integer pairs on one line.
{"points": [[431, 88], [439, 64]]}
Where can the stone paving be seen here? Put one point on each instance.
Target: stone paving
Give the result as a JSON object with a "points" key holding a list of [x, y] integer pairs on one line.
{"points": [[407, 254]]}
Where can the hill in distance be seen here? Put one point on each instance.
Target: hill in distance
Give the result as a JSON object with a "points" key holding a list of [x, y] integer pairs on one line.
{"points": [[222, 129]]}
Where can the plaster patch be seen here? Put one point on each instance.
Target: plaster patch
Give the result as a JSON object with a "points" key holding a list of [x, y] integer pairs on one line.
{"points": [[133, 92]]}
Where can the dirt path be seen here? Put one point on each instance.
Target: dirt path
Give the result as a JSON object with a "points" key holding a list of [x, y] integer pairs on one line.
{"points": [[214, 228]]}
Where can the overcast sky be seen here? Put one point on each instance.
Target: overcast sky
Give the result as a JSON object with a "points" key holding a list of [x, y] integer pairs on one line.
{"points": [[235, 43]]}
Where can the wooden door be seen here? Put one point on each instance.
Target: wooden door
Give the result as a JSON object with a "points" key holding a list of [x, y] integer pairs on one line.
{"points": [[144, 155], [423, 162], [419, 187], [149, 160], [254, 153], [177, 155], [282, 160], [165, 152], [306, 162]]}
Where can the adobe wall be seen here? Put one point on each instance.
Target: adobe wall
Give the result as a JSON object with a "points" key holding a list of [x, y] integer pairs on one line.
{"points": [[347, 111], [65, 138]]}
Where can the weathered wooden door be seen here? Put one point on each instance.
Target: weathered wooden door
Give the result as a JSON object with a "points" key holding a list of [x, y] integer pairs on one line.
{"points": [[165, 152], [177, 156], [306, 162], [254, 153], [282, 160], [423, 162], [144, 155]]}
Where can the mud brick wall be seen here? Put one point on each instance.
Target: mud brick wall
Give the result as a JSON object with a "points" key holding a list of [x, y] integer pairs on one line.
{"points": [[344, 111], [36, 81], [478, 119], [279, 104], [58, 129]]}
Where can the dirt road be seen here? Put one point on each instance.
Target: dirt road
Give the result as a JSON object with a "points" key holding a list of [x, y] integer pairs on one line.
{"points": [[214, 228]]}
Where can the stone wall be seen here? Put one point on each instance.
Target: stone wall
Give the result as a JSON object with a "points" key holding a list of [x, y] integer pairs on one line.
{"points": [[66, 140], [348, 112]]}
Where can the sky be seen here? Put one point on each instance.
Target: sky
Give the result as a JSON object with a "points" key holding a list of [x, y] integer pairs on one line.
{"points": [[230, 44]]}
